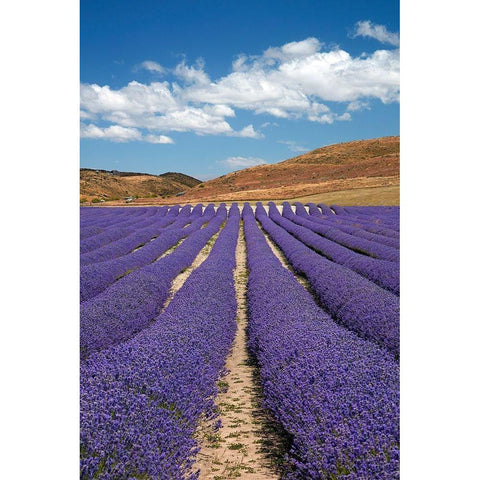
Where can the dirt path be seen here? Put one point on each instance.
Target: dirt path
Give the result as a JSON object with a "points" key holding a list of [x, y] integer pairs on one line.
{"points": [[181, 278], [246, 445]]}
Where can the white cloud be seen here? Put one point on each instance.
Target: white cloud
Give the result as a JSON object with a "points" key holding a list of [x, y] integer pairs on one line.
{"points": [[114, 133], [219, 110], [292, 81], [242, 162], [294, 50], [192, 74], [330, 117], [86, 115], [288, 86], [152, 66], [248, 132], [134, 99], [345, 117], [357, 105], [238, 64], [158, 139], [366, 28]]}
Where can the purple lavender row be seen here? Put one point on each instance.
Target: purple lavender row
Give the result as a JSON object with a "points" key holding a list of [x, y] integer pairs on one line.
{"points": [[118, 219], [97, 277], [120, 230], [348, 227], [383, 273], [357, 244], [361, 211], [375, 241], [111, 216], [141, 401], [352, 300], [89, 233], [96, 213], [389, 223], [95, 219], [345, 423], [391, 213], [136, 239], [122, 222], [131, 303], [365, 223], [325, 209]]}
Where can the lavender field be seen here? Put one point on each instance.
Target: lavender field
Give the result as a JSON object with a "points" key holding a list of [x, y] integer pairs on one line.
{"points": [[213, 336]]}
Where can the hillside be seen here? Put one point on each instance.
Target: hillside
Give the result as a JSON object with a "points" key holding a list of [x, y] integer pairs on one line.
{"points": [[368, 166], [113, 185]]}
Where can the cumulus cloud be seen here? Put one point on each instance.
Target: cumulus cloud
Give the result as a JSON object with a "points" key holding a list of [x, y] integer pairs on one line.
{"points": [[152, 66], [193, 73], [158, 139], [242, 162], [292, 81], [288, 86], [357, 105], [330, 117], [248, 132], [366, 28], [114, 133], [86, 115], [294, 50]]}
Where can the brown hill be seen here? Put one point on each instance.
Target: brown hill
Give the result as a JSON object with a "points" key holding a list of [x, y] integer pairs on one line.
{"points": [[368, 166], [113, 185]]}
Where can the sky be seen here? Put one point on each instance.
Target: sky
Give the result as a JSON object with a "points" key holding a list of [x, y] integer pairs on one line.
{"points": [[208, 87]]}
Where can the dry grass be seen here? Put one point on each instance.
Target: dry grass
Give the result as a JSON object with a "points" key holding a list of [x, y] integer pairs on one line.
{"points": [[358, 196]]}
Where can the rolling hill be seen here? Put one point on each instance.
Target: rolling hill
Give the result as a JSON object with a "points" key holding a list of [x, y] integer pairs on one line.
{"points": [[113, 185], [365, 171]]}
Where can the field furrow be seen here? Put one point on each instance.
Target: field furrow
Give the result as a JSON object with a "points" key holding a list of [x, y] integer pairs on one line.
{"points": [[247, 442]]}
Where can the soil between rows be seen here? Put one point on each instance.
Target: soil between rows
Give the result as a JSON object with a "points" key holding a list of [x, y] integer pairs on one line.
{"points": [[248, 444]]}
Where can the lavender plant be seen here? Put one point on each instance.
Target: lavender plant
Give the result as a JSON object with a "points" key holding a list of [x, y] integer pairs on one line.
{"points": [[383, 273], [141, 400], [95, 278], [352, 300], [361, 245], [351, 227], [335, 394], [125, 245], [130, 304]]}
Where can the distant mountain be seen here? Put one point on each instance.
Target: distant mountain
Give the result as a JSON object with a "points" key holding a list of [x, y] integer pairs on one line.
{"points": [[352, 166], [115, 185]]}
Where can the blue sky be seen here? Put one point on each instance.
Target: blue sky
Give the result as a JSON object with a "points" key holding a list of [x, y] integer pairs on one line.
{"points": [[207, 87]]}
